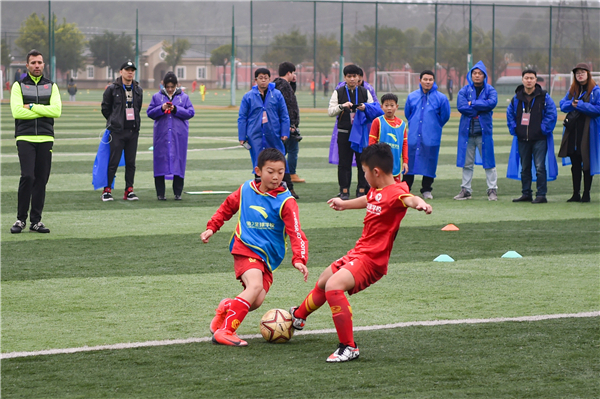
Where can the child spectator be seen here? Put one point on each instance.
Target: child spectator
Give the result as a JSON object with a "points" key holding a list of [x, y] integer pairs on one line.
{"points": [[392, 130]]}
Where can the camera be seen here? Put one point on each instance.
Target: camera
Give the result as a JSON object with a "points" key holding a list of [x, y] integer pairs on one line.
{"points": [[295, 134]]}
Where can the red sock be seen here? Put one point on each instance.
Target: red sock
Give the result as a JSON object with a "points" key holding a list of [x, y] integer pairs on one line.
{"points": [[238, 309], [342, 316], [313, 301]]}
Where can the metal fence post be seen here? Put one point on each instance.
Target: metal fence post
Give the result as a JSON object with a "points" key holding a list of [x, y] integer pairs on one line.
{"points": [[315, 52], [549, 84]]}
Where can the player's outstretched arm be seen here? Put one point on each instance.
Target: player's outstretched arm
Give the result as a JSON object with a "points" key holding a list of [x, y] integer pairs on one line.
{"points": [[206, 235], [303, 269], [417, 203], [339, 204]]}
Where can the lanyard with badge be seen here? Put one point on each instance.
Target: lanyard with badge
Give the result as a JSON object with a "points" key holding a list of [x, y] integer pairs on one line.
{"points": [[526, 116], [265, 118], [129, 115], [353, 112]]}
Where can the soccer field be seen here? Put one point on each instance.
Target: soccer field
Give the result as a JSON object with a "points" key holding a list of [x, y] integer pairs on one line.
{"points": [[132, 272]]}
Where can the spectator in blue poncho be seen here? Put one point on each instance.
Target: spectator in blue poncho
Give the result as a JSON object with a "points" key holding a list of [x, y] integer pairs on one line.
{"points": [[263, 120], [580, 144], [427, 111], [476, 102]]}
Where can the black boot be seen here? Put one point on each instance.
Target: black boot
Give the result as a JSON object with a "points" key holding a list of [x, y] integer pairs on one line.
{"points": [[575, 198], [587, 185]]}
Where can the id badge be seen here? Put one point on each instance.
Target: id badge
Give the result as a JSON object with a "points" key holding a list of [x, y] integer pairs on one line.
{"points": [[352, 117], [264, 118], [129, 114], [525, 119]]}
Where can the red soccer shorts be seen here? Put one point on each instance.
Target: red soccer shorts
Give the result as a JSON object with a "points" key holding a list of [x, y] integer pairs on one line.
{"points": [[242, 264], [364, 274]]}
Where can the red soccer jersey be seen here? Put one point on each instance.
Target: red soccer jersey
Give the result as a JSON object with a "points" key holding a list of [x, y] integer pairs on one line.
{"points": [[385, 210]]}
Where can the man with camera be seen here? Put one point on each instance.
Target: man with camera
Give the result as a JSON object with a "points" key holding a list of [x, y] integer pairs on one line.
{"points": [[286, 84], [343, 105]]}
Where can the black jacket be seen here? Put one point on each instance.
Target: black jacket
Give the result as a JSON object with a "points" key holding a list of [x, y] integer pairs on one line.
{"points": [[39, 93], [113, 105], [344, 118], [534, 131], [290, 100]]}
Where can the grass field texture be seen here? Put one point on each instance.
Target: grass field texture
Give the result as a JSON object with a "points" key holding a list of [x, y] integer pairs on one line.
{"points": [[122, 272]]}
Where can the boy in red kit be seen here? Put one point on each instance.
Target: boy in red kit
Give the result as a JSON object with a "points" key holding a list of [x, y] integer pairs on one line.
{"points": [[268, 213], [367, 262], [392, 130]]}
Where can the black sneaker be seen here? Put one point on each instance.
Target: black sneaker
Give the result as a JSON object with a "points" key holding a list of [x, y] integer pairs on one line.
{"points": [[17, 227], [106, 195], [177, 197], [130, 195], [345, 196], [161, 198], [39, 227]]}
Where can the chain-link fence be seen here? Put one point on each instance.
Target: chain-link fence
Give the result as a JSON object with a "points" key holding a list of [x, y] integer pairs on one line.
{"points": [[391, 42]]}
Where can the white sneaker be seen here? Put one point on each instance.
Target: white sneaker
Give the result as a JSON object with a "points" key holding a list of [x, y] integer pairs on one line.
{"points": [[427, 195], [297, 323], [343, 353]]}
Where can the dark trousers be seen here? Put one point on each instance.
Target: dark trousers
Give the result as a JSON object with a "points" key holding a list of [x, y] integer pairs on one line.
{"points": [[36, 161], [576, 170], [535, 150], [159, 183], [345, 153], [426, 183], [124, 140]]}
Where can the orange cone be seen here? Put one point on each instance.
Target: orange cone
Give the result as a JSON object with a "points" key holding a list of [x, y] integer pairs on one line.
{"points": [[450, 227]]}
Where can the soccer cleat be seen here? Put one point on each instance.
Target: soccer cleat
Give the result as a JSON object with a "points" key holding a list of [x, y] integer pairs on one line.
{"points": [[39, 228], [226, 337], [220, 314], [17, 227], [492, 194], [523, 198], [463, 195], [130, 195], [297, 322], [343, 353], [427, 195], [106, 195]]}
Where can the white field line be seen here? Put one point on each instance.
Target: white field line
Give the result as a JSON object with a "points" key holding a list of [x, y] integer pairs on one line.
{"points": [[430, 323]]}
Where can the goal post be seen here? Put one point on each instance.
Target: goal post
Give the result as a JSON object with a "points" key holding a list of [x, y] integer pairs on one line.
{"points": [[403, 82]]}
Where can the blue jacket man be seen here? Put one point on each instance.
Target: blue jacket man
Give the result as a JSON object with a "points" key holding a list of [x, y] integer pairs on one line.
{"points": [[476, 102], [531, 118], [427, 111], [263, 120]]}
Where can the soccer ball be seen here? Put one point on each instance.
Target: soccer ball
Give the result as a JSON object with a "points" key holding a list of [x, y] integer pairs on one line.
{"points": [[276, 326]]}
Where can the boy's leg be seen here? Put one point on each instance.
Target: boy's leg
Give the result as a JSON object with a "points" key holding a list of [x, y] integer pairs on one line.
{"points": [[313, 301], [341, 311]]}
